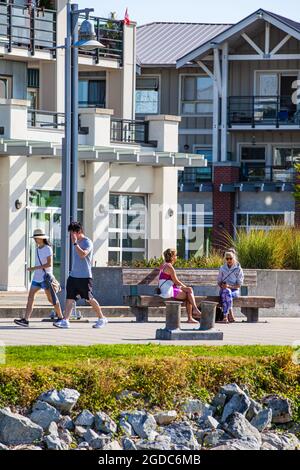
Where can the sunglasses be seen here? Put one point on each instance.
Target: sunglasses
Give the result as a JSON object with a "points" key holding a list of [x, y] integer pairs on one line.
{"points": [[228, 259]]}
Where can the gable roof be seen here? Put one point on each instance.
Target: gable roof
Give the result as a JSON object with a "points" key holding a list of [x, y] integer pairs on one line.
{"points": [[289, 26], [164, 43]]}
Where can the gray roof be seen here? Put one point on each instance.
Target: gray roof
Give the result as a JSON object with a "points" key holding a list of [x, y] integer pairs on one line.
{"points": [[164, 43], [293, 24]]}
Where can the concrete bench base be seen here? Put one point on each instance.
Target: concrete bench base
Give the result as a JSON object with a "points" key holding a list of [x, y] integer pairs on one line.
{"points": [[190, 335]]}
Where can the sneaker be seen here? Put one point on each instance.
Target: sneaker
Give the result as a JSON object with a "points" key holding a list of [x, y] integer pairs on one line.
{"points": [[22, 322], [57, 320], [101, 323], [62, 324]]}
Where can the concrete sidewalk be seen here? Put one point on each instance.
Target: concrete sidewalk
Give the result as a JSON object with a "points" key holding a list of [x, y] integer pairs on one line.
{"points": [[276, 331]]}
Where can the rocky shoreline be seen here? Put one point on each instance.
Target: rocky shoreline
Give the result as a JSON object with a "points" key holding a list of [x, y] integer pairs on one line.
{"points": [[232, 421]]}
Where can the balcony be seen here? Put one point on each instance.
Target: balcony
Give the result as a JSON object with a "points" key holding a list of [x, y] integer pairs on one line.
{"points": [[126, 131], [45, 119], [259, 173], [195, 179], [27, 28], [263, 111], [110, 33]]}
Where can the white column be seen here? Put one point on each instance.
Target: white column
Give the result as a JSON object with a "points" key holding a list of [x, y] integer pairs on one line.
{"points": [[96, 210], [129, 71], [163, 129], [216, 107], [98, 122], [59, 89], [13, 175], [224, 102]]}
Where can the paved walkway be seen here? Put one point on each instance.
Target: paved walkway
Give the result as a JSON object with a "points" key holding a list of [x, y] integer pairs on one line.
{"points": [[276, 331]]}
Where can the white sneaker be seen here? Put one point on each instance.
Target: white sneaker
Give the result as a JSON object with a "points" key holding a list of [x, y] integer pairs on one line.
{"points": [[101, 323], [62, 324]]}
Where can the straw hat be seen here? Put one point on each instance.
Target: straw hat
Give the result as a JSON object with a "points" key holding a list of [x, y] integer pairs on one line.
{"points": [[39, 233]]}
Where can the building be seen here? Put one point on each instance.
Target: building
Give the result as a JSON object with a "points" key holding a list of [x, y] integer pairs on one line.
{"points": [[235, 88], [128, 169]]}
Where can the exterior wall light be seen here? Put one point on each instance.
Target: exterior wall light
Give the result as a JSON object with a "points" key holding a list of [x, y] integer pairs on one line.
{"points": [[102, 210], [18, 204], [221, 225], [170, 212]]}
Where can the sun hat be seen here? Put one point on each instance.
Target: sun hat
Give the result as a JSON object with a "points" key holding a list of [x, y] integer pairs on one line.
{"points": [[39, 233]]}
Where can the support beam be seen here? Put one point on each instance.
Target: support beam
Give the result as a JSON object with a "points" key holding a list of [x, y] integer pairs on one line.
{"points": [[224, 102], [206, 69], [281, 44], [267, 38], [216, 107], [217, 71], [252, 44], [247, 57]]}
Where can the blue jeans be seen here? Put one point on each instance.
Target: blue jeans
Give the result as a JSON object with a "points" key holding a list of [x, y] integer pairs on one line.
{"points": [[41, 285], [227, 296]]}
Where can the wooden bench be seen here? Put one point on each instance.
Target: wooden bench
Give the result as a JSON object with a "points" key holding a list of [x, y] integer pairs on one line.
{"points": [[140, 304]]}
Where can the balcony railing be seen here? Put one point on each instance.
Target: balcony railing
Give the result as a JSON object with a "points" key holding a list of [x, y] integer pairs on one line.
{"points": [[45, 119], [126, 131], [30, 28], [261, 173], [110, 33], [258, 111], [194, 176]]}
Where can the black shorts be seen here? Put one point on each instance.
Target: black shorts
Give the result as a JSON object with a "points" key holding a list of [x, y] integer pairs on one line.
{"points": [[82, 287]]}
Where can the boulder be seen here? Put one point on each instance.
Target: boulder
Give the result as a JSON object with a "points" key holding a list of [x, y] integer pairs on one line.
{"points": [[103, 423], [125, 427], [53, 442], [66, 422], [53, 429], [239, 403], [254, 409], [239, 444], [66, 437], [160, 443], [209, 423], [196, 408], [163, 418], [219, 400], [44, 414], [80, 431], [285, 441], [215, 438], [230, 390], [238, 427], [128, 444], [182, 434], [262, 420], [95, 440], [281, 409], [27, 447], [143, 424], [114, 445], [63, 400], [85, 418], [16, 429], [83, 446]]}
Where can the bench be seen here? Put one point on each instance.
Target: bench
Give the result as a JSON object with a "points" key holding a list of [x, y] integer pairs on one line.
{"points": [[140, 304]]}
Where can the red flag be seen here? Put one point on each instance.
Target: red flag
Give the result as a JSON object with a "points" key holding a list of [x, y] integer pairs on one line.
{"points": [[126, 18]]}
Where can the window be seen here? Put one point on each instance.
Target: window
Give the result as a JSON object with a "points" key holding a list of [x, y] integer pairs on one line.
{"points": [[194, 232], [253, 163], [52, 199], [5, 87], [196, 95], [33, 85], [92, 93], [147, 95], [286, 157], [263, 221], [198, 175], [127, 228]]}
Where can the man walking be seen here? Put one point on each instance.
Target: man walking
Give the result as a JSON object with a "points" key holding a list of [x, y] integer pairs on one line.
{"points": [[80, 282]]}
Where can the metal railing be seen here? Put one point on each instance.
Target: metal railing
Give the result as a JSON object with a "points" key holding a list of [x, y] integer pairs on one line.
{"points": [[30, 28], [90, 104], [127, 131], [110, 33], [45, 119], [195, 175], [263, 110], [260, 173]]}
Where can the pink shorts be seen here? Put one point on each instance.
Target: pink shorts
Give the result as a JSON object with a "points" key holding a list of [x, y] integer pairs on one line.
{"points": [[176, 291]]}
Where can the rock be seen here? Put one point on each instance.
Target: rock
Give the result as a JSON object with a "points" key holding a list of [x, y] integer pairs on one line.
{"points": [[66, 437], [66, 422], [209, 423], [182, 434], [53, 442], [125, 427], [164, 418], [281, 409], [196, 408], [262, 420], [180, 447], [80, 431], [3, 447], [160, 443], [128, 444], [239, 403], [15, 429], [128, 394], [96, 441], [239, 444], [267, 446], [83, 446], [53, 429], [103, 423], [219, 400], [63, 400], [214, 438], [254, 409], [85, 418], [238, 427], [143, 424], [230, 390], [44, 414], [114, 445], [285, 441]]}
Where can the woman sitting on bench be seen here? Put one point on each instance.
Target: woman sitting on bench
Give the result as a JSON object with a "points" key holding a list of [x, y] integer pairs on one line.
{"points": [[230, 279], [171, 287]]}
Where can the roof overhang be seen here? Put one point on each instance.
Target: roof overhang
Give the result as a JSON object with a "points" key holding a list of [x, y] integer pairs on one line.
{"points": [[235, 29]]}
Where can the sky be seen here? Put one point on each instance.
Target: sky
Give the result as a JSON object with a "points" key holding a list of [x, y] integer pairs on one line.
{"points": [[198, 11]]}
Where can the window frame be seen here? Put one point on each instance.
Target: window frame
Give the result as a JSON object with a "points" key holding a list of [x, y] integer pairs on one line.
{"points": [[181, 101], [150, 75], [9, 79], [287, 215]]}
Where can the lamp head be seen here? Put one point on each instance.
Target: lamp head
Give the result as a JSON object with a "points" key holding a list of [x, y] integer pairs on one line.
{"points": [[87, 37]]}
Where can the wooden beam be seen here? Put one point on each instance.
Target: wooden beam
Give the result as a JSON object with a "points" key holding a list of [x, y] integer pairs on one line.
{"points": [[224, 102], [206, 69], [267, 38], [247, 57], [217, 71], [252, 44], [281, 44]]}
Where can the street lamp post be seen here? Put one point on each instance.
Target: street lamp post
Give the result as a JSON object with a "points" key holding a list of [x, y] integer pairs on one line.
{"points": [[86, 40]]}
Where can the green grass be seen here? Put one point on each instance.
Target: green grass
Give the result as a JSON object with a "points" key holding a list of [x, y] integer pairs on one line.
{"points": [[19, 356]]}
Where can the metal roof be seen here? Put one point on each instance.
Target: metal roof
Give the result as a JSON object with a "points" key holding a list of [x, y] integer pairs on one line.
{"points": [[293, 24], [164, 43]]}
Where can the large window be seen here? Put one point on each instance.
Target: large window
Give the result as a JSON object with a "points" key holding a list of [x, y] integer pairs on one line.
{"points": [[91, 93], [52, 200], [127, 228], [147, 95], [5, 87], [253, 163], [287, 157], [196, 95], [263, 221], [194, 232]]}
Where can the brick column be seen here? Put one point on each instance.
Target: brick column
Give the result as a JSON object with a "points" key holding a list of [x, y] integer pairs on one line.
{"points": [[223, 202], [297, 201]]}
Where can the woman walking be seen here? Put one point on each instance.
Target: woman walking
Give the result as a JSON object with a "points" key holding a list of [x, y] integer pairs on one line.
{"points": [[44, 265], [230, 279], [171, 287]]}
